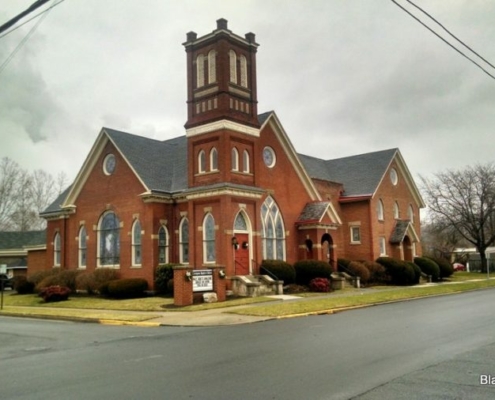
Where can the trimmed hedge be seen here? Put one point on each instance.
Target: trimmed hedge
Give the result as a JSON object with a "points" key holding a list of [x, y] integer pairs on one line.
{"points": [[446, 268], [400, 272], [63, 278], [359, 269], [429, 267], [164, 273], [37, 277], [378, 274], [282, 270], [319, 285], [126, 288], [23, 286], [417, 272], [307, 270], [91, 282]]}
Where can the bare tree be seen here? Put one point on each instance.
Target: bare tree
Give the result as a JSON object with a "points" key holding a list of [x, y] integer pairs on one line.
{"points": [[464, 201], [24, 195]]}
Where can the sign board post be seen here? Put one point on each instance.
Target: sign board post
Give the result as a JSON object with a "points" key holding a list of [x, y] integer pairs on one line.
{"points": [[3, 270]]}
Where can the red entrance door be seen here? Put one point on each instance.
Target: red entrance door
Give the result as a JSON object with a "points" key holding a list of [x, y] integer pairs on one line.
{"points": [[242, 254]]}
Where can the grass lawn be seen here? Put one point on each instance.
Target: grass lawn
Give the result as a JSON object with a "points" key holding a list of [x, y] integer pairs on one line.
{"points": [[327, 304], [466, 276]]}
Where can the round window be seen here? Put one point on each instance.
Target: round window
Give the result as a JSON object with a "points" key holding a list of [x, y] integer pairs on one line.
{"points": [[393, 176], [269, 157], [109, 164]]}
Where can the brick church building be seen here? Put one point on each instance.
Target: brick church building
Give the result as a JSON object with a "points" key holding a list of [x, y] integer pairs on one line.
{"points": [[232, 192]]}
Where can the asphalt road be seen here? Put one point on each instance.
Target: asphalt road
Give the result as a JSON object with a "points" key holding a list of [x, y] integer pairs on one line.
{"points": [[434, 348]]}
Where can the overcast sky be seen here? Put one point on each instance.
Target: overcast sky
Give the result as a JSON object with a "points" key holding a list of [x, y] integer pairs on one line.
{"points": [[345, 77]]}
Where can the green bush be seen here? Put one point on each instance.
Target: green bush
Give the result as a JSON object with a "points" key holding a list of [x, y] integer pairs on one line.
{"points": [[359, 269], [22, 285], [378, 274], [164, 273], [64, 278], [446, 268], [92, 281], [344, 262], [429, 267], [319, 285], [282, 270], [307, 270], [400, 272], [417, 272], [127, 288]]}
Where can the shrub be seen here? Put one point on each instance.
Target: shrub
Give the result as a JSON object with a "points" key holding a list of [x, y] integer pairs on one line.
{"points": [[127, 288], [307, 270], [344, 262], [282, 270], [54, 293], [446, 268], [417, 272], [37, 277], [164, 273], [400, 272], [91, 282], [378, 274], [359, 269], [23, 286], [319, 285], [64, 278], [429, 267]]}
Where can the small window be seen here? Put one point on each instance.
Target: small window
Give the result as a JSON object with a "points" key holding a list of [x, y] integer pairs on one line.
{"points": [[184, 241], [379, 209], [162, 246], [233, 66], [245, 161], [57, 250], [383, 247], [394, 177], [410, 213], [200, 70], [212, 67], [355, 234], [202, 162], [396, 210], [213, 159], [82, 247], [243, 65], [136, 244], [235, 159]]}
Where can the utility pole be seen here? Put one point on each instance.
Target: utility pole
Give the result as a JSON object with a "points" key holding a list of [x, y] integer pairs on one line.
{"points": [[29, 10]]}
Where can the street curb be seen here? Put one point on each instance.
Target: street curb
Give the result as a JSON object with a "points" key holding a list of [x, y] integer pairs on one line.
{"points": [[128, 323]]}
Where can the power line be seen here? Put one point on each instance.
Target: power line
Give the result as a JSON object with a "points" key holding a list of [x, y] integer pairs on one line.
{"points": [[30, 19], [441, 38], [451, 34], [29, 10], [22, 42]]}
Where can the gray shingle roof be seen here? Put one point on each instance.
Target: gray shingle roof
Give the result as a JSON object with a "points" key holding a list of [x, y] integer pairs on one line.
{"points": [[55, 207], [17, 240], [359, 174], [399, 232], [313, 212], [161, 165]]}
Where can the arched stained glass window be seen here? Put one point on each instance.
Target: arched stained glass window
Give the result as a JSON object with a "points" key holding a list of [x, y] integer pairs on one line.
{"points": [[109, 240], [212, 67], [245, 161], [162, 245], [184, 241], [235, 159], [82, 247], [243, 65], [136, 243], [233, 66], [240, 223], [57, 250], [201, 161], [213, 159], [209, 239], [273, 232], [379, 209], [200, 70]]}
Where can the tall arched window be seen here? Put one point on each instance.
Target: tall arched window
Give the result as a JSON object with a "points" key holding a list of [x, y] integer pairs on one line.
{"points": [[235, 159], [273, 233], [379, 209], [213, 159], [240, 223], [200, 70], [82, 247], [109, 240], [57, 250], [184, 241], [233, 66], [396, 210], [162, 245], [243, 65], [212, 67], [410, 213], [202, 162], [136, 244], [245, 161], [209, 255]]}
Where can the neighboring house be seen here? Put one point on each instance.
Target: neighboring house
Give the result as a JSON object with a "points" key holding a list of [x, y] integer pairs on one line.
{"points": [[14, 249], [232, 191]]}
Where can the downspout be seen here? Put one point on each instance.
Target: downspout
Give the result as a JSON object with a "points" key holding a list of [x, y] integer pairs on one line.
{"points": [[372, 236]]}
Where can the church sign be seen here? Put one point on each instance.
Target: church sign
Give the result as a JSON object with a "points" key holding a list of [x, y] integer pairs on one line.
{"points": [[202, 280]]}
